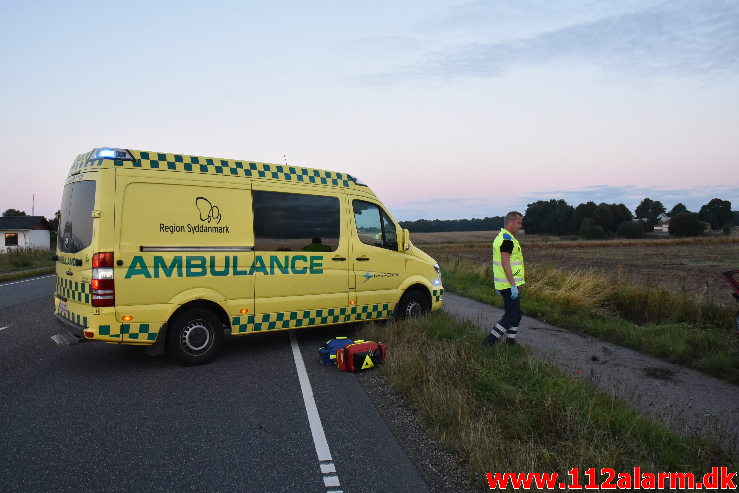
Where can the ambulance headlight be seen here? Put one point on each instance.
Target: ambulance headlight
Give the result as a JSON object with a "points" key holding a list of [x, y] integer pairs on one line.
{"points": [[438, 271], [111, 153]]}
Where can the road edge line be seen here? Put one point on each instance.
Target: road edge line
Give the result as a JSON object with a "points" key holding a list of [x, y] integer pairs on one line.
{"points": [[328, 469]]}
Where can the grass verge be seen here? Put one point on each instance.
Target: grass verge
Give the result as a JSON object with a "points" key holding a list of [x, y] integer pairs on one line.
{"points": [[24, 259], [501, 410], [671, 326], [23, 263]]}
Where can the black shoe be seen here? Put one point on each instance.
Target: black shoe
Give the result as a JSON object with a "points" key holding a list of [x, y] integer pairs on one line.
{"points": [[510, 341], [490, 340]]}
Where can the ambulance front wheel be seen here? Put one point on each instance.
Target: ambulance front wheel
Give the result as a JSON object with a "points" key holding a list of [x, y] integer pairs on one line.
{"points": [[412, 304], [195, 336]]}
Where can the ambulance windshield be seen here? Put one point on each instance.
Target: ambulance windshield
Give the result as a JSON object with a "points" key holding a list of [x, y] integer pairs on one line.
{"points": [[75, 223]]}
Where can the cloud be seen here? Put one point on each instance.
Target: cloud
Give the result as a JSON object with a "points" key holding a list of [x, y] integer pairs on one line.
{"points": [[681, 37]]}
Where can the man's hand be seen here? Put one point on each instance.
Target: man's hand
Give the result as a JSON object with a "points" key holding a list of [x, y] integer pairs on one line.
{"points": [[514, 292]]}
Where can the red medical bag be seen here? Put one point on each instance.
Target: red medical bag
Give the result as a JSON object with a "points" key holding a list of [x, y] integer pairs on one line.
{"points": [[362, 355]]}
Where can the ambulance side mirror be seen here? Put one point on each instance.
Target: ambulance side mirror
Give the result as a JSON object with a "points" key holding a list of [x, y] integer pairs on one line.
{"points": [[405, 243]]}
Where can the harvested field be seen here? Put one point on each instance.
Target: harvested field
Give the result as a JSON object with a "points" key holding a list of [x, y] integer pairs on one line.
{"points": [[678, 265]]}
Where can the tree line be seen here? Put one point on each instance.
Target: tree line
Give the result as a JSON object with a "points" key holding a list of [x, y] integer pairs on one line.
{"points": [[591, 220], [441, 225]]}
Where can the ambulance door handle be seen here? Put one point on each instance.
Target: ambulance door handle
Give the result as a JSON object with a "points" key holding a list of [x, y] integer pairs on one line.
{"points": [[339, 259], [362, 259]]}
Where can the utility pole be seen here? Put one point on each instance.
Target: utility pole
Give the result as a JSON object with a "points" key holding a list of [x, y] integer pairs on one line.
{"points": [[33, 204]]}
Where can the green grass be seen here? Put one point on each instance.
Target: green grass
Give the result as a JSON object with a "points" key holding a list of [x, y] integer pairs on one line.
{"points": [[20, 264], [501, 410], [671, 326], [21, 259]]}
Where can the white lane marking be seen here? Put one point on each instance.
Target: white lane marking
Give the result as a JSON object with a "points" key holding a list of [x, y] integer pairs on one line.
{"points": [[330, 479], [25, 280], [3, 328]]}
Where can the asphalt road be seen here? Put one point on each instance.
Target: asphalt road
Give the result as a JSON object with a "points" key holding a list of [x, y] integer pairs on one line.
{"points": [[102, 417]]}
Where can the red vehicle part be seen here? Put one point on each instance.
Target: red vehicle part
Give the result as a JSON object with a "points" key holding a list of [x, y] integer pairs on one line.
{"points": [[731, 277]]}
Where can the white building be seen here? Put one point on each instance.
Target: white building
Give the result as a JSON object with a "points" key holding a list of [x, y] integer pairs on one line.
{"points": [[24, 232]]}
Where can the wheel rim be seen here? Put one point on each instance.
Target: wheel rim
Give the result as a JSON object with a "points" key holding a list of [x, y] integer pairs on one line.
{"points": [[414, 309], [196, 336]]}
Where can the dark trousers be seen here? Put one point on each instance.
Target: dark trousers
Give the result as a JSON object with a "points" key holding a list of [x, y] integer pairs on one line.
{"points": [[512, 314]]}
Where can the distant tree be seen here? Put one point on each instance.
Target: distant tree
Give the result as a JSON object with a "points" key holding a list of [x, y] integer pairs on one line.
{"points": [[445, 225], [679, 208], [602, 217], [649, 209], [621, 213], [736, 218], [54, 223], [717, 212], [686, 224], [607, 216], [630, 229], [591, 231], [13, 212], [584, 210], [554, 217]]}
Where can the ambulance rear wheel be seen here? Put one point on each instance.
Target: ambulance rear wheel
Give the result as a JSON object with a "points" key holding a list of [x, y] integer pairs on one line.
{"points": [[195, 337], [412, 304]]}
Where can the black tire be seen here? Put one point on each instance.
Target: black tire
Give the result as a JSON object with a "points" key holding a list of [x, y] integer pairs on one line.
{"points": [[195, 337], [412, 304]]}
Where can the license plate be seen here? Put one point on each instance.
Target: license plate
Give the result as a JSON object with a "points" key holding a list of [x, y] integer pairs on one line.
{"points": [[62, 308]]}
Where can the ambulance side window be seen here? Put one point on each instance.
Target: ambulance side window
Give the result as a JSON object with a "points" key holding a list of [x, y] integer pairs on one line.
{"points": [[294, 222], [374, 227]]}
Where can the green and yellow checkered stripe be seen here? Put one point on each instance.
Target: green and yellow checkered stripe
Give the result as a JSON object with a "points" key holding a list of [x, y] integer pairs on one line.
{"points": [[216, 166], [76, 318], [307, 318], [73, 290], [142, 333], [437, 294]]}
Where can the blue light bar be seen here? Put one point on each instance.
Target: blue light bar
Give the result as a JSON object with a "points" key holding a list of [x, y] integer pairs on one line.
{"points": [[111, 153], [106, 153]]}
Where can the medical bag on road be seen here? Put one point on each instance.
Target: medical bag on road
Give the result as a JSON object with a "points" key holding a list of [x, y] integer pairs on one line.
{"points": [[362, 355], [327, 354]]}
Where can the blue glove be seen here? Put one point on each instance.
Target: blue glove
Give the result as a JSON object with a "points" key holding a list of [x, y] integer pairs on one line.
{"points": [[514, 292], [497, 291]]}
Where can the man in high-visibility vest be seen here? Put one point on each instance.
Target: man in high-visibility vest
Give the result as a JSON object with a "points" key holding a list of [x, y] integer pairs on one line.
{"points": [[508, 276]]}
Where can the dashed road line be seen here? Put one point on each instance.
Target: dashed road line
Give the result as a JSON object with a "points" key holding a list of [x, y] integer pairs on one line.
{"points": [[328, 469], [25, 280], [3, 328]]}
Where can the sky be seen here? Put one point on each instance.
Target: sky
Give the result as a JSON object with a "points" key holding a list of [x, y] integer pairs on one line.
{"points": [[445, 109]]}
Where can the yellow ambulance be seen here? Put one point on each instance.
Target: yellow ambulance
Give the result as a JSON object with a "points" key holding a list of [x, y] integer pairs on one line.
{"points": [[172, 251]]}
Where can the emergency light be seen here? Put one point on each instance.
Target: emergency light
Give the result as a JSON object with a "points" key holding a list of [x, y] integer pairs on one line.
{"points": [[111, 153]]}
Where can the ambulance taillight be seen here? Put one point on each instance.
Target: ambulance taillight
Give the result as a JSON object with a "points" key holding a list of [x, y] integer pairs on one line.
{"points": [[103, 284]]}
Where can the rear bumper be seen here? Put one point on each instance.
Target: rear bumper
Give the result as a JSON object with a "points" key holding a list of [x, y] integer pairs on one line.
{"points": [[73, 333], [77, 330]]}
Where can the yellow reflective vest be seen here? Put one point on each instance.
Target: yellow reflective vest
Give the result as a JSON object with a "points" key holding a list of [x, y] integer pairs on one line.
{"points": [[499, 278]]}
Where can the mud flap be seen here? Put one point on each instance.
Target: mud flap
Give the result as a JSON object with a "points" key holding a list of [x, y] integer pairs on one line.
{"points": [[158, 348]]}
